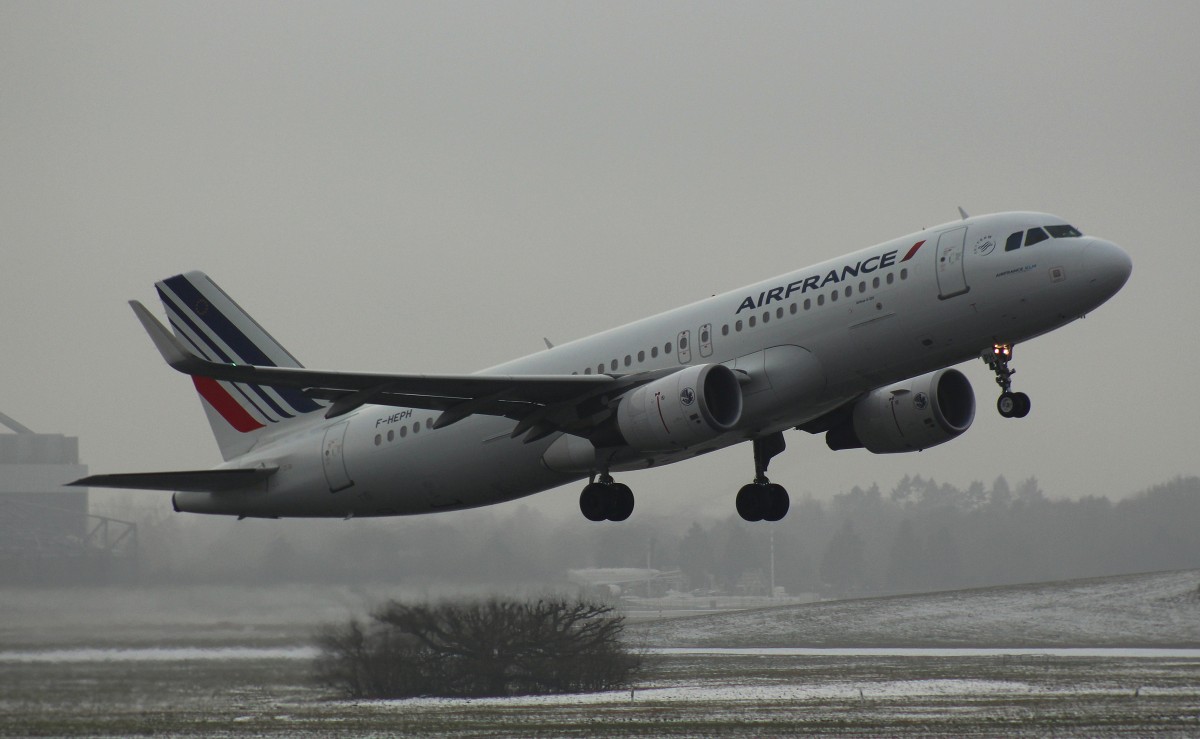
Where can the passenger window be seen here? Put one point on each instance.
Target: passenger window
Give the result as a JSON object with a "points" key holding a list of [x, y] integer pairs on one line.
{"points": [[587, 371], [416, 427], [779, 310], [378, 440], [642, 356], [793, 309], [403, 431], [1035, 236], [667, 348], [849, 291], [751, 321], [653, 352], [820, 300], [683, 343], [862, 287], [875, 283], [737, 326], [391, 435], [891, 278], [725, 330], [600, 368], [766, 316], [613, 364], [833, 295], [807, 303], [1014, 241], [904, 273], [628, 360]]}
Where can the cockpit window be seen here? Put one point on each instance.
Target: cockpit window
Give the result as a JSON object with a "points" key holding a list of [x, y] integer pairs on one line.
{"points": [[1014, 241], [1034, 236], [1063, 232]]}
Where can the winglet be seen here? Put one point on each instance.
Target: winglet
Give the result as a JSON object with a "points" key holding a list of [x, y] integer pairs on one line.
{"points": [[171, 349]]}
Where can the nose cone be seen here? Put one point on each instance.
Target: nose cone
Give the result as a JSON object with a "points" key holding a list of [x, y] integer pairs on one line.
{"points": [[1107, 265]]}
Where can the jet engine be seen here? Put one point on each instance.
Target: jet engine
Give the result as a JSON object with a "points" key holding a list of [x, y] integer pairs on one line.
{"points": [[913, 415], [690, 406]]}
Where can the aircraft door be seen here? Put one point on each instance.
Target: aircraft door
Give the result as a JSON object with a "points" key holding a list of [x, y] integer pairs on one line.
{"points": [[706, 340], [951, 274], [684, 344], [334, 459]]}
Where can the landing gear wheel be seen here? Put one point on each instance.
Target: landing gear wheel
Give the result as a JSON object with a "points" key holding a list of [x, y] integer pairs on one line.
{"points": [[606, 500], [777, 502], [619, 505], [751, 503], [1013, 405], [592, 501], [1023, 405]]}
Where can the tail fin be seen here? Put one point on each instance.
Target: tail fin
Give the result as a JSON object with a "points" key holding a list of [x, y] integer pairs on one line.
{"points": [[216, 328]]}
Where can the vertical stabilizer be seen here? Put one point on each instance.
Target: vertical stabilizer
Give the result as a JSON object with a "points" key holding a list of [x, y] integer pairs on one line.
{"points": [[205, 318]]}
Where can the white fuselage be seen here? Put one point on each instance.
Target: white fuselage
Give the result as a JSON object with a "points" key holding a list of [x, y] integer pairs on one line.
{"points": [[808, 342]]}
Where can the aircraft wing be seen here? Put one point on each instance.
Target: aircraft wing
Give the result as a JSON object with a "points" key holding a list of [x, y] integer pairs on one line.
{"points": [[541, 404]]}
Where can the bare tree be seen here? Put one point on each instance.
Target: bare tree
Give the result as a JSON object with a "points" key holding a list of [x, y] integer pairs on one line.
{"points": [[478, 648]]}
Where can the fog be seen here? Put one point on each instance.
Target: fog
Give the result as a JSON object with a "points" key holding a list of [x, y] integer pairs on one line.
{"points": [[914, 535], [434, 188]]}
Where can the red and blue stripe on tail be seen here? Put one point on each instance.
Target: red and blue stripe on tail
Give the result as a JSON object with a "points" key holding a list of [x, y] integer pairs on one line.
{"points": [[205, 318]]}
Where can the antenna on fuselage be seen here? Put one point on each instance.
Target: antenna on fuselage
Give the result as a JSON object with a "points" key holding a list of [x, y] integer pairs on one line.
{"points": [[963, 213]]}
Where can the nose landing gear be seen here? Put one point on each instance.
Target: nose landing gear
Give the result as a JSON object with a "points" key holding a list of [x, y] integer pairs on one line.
{"points": [[1010, 404]]}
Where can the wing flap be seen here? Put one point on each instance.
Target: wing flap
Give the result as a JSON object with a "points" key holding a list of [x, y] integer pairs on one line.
{"points": [[190, 481]]}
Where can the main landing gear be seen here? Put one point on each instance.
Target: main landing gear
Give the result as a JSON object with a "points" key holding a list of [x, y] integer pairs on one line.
{"points": [[605, 500], [1010, 404], [763, 500]]}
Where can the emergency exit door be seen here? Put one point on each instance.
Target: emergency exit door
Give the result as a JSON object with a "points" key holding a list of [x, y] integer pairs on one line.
{"points": [[334, 459]]}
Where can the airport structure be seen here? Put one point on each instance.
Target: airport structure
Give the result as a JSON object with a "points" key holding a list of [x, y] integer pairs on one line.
{"points": [[47, 533]]}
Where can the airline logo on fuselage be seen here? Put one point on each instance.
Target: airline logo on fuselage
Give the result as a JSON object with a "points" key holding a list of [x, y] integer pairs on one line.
{"points": [[832, 277]]}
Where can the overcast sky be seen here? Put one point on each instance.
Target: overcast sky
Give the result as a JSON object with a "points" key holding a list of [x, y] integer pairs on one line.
{"points": [[435, 187]]}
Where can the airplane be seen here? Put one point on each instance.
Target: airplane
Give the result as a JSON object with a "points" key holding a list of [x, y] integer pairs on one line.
{"points": [[859, 348]]}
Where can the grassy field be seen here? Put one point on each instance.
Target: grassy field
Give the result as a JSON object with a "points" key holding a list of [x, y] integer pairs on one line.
{"points": [[675, 695]]}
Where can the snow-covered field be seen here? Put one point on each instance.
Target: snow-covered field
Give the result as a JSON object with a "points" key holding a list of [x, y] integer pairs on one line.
{"points": [[1152, 610], [1119, 656]]}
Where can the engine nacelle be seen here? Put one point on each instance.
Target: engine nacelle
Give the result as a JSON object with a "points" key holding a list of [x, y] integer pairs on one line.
{"points": [[690, 406], [913, 415]]}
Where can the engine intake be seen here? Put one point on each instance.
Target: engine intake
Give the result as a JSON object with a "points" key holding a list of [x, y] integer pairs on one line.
{"points": [[913, 415], [690, 406]]}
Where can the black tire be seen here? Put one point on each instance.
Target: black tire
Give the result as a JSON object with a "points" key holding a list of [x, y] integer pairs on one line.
{"points": [[1007, 404], [751, 503], [591, 502], [619, 503], [778, 502], [1023, 405]]}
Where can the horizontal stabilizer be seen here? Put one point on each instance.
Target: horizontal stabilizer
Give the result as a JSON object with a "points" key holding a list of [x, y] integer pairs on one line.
{"points": [[195, 481]]}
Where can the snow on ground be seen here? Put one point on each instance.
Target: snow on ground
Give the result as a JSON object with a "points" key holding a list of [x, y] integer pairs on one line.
{"points": [[1150, 610]]}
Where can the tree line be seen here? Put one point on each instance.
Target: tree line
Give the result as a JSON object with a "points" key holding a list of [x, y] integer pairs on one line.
{"points": [[918, 535]]}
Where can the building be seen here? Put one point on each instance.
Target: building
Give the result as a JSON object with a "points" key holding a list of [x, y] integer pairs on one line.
{"points": [[47, 532]]}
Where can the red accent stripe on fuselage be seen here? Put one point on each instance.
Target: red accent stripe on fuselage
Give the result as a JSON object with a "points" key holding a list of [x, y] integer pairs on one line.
{"points": [[912, 251], [220, 399]]}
